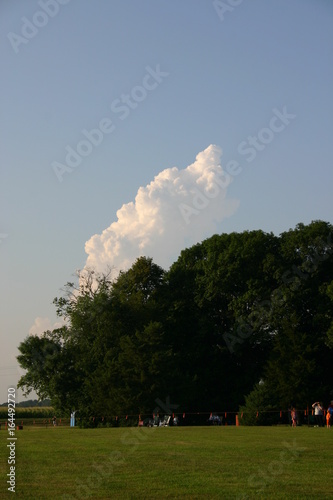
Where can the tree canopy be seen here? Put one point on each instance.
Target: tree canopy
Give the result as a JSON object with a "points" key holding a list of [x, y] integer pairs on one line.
{"points": [[233, 310]]}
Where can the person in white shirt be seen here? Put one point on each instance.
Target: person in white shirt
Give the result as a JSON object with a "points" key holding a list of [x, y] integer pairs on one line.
{"points": [[318, 411]]}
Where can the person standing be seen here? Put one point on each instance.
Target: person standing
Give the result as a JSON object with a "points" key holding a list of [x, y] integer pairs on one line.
{"points": [[72, 423], [328, 420], [330, 412], [293, 417], [318, 411]]}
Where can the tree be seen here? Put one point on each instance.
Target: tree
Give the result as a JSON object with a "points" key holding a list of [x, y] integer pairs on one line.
{"points": [[260, 408], [232, 310], [135, 348], [299, 367], [329, 292], [111, 355], [39, 356], [217, 318]]}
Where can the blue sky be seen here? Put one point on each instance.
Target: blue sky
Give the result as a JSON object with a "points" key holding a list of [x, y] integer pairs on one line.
{"points": [[221, 76]]}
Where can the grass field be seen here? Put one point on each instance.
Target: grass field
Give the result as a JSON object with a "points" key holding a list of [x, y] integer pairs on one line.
{"points": [[171, 462]]}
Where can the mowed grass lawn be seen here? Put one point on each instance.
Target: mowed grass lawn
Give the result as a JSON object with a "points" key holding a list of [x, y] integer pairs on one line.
{"points": [[171, 462]]}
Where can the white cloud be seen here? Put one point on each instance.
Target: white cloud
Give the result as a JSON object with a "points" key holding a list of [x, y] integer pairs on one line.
{"points": [[42, 324], [177, 209]]}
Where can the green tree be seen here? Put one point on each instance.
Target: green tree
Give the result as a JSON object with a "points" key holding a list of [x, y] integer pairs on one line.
{"points": [[129, 376], [232, 310], [217, 317], [329, 293], [260, 408], [299, 368], [39, 356], [112, 355]]}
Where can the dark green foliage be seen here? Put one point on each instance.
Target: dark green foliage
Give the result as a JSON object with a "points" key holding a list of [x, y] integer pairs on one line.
{"points": [[299, 368], [232, 310], [259, 408]]}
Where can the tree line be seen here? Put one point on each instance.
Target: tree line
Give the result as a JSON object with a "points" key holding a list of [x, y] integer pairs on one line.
{"points": [[239, 320]]}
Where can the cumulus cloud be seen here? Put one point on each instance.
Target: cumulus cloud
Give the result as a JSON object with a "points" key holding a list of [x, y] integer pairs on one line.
{"points": [[177, 209], [42, 324]]}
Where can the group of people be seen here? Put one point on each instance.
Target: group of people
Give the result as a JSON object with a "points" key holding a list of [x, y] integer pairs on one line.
{"points": [[319, 414], [72, 421]]}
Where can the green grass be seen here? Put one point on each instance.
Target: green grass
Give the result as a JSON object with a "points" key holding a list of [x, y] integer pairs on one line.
{"points": [[172, 462]]}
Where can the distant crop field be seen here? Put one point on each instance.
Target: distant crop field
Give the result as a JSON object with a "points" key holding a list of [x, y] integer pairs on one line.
{"points": [[34, 416], [27, 412], [171, 462]]}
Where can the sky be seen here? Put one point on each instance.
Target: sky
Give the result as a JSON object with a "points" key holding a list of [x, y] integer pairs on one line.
{"points": [[142, 127]]}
